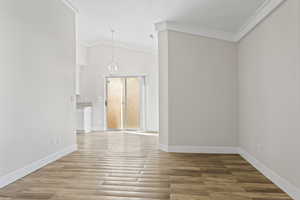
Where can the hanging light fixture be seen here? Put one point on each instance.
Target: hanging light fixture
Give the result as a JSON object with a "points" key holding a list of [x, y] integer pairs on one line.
{"points": [[113, 66]]}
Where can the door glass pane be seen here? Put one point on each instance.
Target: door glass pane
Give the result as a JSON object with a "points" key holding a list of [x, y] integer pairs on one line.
{"points": [[132, 114], [114, 103]]}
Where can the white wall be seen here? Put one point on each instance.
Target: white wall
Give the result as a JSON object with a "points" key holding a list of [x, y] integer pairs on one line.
{"points": [[269, 92], [37, 66], [82, 62], [202, 90], [131, 62], [163, 58], [82, 55]]}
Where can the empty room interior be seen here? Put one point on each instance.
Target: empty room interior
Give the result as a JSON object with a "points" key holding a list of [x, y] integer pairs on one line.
{"points": [[149, 99]]}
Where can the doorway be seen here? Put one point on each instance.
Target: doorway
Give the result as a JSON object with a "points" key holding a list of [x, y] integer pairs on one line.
{"points": [[125, 103]]}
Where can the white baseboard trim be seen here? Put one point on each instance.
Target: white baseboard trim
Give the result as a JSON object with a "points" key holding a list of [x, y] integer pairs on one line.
{"points": [[199, 149], [163, 147], [98, 130], [203, 149], [284, 184], [20, 173]]}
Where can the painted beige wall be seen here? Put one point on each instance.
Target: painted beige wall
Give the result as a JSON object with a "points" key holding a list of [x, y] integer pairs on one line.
{"points": [[202, 90], [269, 92], [131, 62], [37, 64], [163, 57]]}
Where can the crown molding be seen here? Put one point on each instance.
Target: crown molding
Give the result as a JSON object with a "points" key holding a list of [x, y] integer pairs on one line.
{"points": [[70, 5], [195, 30], [260, 14]]}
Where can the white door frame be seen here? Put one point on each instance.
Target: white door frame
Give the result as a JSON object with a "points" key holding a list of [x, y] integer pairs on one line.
{"points": [[143, 97]]}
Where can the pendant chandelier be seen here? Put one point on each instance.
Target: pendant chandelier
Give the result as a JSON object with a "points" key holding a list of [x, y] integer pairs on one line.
{"points": [[113, 66]]}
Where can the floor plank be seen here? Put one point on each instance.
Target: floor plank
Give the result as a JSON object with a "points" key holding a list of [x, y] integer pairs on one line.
{"points": [[125, 166]]}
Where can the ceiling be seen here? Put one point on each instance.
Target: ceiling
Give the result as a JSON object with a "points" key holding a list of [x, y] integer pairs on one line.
{"points": [[133, 20]]}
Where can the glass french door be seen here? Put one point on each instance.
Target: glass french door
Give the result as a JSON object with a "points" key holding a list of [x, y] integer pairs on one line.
{"points": [[125, 100], [114, 103]]}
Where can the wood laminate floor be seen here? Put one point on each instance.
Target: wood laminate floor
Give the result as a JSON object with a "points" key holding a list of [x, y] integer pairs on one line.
{"points": [[124, 166]]}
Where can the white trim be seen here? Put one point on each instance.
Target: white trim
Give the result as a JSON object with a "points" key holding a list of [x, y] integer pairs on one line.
{"points": [[70, 5], [141, 133], [199, 149], [164, 147], [20, 173], [95, 129], [195, 30], [77, 66], [261, 13], [281, 182]]}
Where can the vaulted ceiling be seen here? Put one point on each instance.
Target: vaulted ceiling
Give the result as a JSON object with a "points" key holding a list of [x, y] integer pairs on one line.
{"points": [[134, 20]]}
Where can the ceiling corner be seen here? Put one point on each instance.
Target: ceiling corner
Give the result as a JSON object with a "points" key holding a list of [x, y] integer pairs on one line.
{"points": [[260, 14], [195, 30]]}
